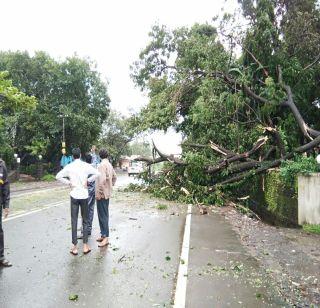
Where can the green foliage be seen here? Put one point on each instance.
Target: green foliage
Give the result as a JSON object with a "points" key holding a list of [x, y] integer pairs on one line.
{"points": [[116, 134], [195, 169], [48, 178], [11, 99], [274, 201], [71, 88], [311, 228], [73, 297], [139, 148], [187, 71], [12, 104], [162, 206], [37, 146], [133, 188], [31, 169], [290, 169]]}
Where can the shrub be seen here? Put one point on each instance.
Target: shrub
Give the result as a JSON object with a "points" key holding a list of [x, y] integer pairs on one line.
{"points": [[311, 228], [299, 165]]}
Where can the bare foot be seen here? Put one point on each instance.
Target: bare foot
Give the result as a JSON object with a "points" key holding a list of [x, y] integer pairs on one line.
{"points": [[74, 250], [99, 239], [86, 249], [104, 242]]}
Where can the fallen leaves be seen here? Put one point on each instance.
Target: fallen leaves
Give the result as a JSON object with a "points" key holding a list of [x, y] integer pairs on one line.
{"points": [[73, 297]]}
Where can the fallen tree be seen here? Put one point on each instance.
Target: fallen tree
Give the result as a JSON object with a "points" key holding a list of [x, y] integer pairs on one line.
{"points": [[239, 116]]}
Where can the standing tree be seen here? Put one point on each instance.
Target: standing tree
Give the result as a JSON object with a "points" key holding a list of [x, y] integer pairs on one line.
{"points": [[117, 132], [12, 104], [71, 88]]}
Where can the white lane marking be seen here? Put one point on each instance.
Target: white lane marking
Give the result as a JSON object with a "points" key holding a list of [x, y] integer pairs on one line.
{"points": [[181, 288], [34, 211]]}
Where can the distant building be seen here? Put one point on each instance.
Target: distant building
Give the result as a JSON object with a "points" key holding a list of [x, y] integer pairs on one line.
{"points": [[124, 162]]}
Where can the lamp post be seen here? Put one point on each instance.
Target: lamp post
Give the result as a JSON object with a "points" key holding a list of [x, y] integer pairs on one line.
{"points": [[17, 159], [63, 116], [40, 167], [63, 131]]}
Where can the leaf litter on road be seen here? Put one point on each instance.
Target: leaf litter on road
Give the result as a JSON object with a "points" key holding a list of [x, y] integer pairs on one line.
{"points": [[73, 297]]}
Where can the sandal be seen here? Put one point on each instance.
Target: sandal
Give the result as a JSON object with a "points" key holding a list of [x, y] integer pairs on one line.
{"points": [[86, 252], [5, 263], [106, 244], [74, 252], [100, 239]]}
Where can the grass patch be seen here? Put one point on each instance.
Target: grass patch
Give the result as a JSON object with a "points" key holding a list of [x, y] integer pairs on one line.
{"points": [[311, 228], [162, 206], [48, 178]]}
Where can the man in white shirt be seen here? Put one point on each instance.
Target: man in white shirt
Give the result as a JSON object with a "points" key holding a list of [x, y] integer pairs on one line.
{"points": [[76, 176]]}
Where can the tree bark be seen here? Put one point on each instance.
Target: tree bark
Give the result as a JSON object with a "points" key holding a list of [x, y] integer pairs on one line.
{"points": [[275, 163]]}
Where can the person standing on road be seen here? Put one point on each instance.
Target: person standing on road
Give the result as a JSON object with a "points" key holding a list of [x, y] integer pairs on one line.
{"points": [[64, 159], [4, 205], [91, 199], [95, 158], [78, 178], [104, 183]]}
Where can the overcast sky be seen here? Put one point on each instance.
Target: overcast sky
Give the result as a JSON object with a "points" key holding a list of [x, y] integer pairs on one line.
{"points": [[112, 33]]}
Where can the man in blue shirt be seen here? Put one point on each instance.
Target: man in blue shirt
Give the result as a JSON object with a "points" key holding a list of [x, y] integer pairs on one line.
{"points": [[95, 157], [65, 160]]}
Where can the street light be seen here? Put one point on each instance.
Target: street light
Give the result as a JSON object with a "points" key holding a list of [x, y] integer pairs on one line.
{"points": [[40, 167], [15, 155], [63, 116]]}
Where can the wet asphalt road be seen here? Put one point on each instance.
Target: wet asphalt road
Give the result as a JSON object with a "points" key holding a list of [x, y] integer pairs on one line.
{"points": [[132, 272], [140, 266]]}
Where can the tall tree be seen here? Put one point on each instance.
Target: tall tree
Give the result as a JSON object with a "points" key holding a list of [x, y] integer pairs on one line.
{"points": [[12, 104], [72, 89], [117, 132]]}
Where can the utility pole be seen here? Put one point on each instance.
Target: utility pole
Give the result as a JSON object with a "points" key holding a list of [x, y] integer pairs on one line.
{"points": [[63, 131], [63, 144]]}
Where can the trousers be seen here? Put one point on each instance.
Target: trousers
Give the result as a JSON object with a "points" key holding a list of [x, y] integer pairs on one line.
{"points": [[75, 205], [91, 202], [1, 237], [103, 215]]}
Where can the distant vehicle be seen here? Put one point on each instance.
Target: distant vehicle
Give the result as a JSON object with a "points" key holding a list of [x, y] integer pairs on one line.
{"points": [[135, 168]]}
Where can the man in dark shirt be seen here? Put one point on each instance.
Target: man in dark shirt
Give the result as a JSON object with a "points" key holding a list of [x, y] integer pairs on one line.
{"points": [[4, 205]]}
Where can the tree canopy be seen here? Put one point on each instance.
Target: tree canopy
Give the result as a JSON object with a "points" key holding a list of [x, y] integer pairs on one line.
{"points": [[13, 103], [71, 88]]}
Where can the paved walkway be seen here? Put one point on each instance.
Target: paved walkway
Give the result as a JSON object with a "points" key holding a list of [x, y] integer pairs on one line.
{"points": [[221, 272]]}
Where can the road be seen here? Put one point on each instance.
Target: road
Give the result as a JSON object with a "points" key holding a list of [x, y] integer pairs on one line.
{"points": [[139, 268]]}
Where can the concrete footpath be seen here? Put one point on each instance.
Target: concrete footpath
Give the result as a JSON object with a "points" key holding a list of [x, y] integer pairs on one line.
{"points": [[221, 272]]}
